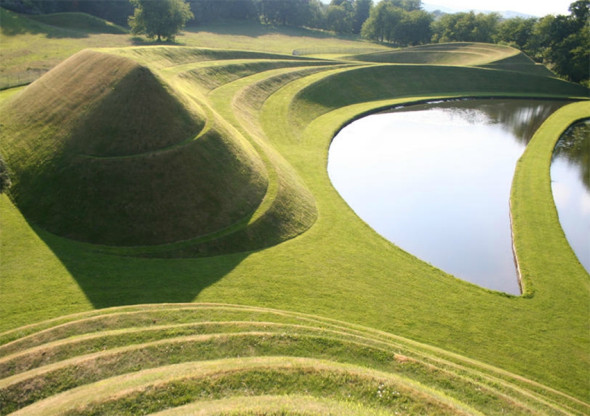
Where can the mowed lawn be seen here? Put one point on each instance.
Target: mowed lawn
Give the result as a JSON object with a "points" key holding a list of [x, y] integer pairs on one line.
{"points": [[338, 267]]}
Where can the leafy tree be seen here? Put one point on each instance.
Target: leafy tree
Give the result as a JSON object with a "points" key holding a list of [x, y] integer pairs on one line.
{"points": [[408, 5], [159, 18], [212, 10], [362, 10], [288, 12], [414, 28], [566, 47], [466, 27], [381, 21], [390, 23], [516, 31], [340, 16]]}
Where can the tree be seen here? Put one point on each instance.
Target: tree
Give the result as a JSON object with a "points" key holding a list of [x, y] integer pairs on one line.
{"points": [[362, 10], [211, 10], [339, 16], [466, 27], [388, 22], [414, 28], [408, 5], [382, 19], [159, 18], [516, 31], [289, 12], [567, 46]]}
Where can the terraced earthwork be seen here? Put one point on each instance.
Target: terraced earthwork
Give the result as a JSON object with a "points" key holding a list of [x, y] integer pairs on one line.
{"points": [[172, 151], [226, 359], [140, 172]]}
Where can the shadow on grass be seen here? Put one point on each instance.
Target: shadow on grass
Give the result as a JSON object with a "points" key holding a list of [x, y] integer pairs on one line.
{"points": [[143, 41], [110, 280], [58, 25], [13, 25]]}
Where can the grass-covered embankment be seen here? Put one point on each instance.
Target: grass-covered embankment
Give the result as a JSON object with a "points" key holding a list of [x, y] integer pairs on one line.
{"points": [[198, 354], [544, 256], [119, 159]]}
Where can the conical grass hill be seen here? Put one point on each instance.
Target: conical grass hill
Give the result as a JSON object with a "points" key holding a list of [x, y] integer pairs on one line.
{"points": [[103, 151]]}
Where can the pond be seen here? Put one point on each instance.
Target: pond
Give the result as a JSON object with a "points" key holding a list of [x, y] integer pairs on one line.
{"points": [[570, 184], [435, 180]]}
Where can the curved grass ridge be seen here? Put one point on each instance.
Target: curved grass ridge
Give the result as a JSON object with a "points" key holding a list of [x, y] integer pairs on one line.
{"points": [[273, 405], [540, 243], [154, 357], [456, 53], [380, 82]]}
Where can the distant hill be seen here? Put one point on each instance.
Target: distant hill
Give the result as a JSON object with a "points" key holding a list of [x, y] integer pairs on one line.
{"points": [[508, 14]]}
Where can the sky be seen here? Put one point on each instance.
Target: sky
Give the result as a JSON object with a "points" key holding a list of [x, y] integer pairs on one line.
{"points": [[537, 8]]}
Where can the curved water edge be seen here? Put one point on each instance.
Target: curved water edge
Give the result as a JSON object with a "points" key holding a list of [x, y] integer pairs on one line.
{"points": [[435, 180], [570, 186]]}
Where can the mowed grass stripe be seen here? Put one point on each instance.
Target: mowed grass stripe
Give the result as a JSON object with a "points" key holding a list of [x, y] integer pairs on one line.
{"points": [[159, 388], [210, 77], [227, 99], [131, 316], [273, 405], [301, 339], [176, 60]]}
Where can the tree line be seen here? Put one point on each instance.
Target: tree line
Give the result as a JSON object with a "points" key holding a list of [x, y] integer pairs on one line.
{"points": [[561, 42]]}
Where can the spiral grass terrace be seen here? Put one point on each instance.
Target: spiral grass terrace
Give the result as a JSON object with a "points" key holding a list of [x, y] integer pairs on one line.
{"points": [[340, 320]]}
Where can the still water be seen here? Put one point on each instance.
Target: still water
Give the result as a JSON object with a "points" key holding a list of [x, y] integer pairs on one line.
{"points": [[435, 180], [570, 184]]}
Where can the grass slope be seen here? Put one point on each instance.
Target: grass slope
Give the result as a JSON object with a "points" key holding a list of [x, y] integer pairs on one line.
{"points": [[457, 53], [136, 167], [329, 263], [32, 45], [80, 22], [143, 359]]}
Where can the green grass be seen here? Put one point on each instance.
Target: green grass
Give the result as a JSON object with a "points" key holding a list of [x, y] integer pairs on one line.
{"points": [[458, 53], [302, 249], [540, 243], [149, 355], [80, 22], [30, 47], [135, 166]]}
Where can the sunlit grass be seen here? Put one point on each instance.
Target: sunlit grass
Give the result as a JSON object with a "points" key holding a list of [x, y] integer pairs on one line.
{"points": [[328, 261]]}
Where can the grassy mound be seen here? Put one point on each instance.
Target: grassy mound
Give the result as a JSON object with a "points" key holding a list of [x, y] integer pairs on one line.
{"points": [[457, 53], [181, 358], [211, 77], [80, 22], [119, 159], [169, 57], [56, 24]]}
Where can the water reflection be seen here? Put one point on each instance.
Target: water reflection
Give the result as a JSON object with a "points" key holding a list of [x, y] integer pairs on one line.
{"points": [[435, 180], [570, 184]]}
